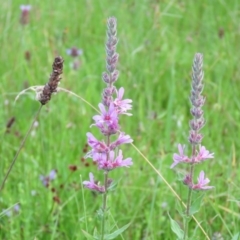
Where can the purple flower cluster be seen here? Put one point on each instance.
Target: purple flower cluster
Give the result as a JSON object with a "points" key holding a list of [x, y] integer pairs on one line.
{"points": [[106, 153], [195, 137], [202, 183], [47, 179], [202, 155]]}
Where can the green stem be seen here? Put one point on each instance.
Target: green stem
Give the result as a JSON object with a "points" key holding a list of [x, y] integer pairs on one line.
{"points": [[104, 206], [19, 149], [189, 199]]}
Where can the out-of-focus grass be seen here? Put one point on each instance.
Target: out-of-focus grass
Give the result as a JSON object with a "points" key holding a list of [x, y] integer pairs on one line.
{"points": [[157, 42]]}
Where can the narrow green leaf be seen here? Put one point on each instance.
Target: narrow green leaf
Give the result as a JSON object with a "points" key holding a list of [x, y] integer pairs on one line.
{"points": [[116, 233], [176, 228], [113, 186], [196, 204], [236, 236], [181, 210], [95, 233], [88, 236]]}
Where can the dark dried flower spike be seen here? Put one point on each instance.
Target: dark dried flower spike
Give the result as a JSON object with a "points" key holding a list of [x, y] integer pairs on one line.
{"points": [[54, 80], [10, 122]]}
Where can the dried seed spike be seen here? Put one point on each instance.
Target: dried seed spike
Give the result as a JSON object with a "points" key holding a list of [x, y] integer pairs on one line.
{"points": [[54, 80]]}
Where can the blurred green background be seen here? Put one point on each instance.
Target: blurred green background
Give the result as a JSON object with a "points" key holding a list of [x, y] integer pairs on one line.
{"points": [[157, 43]]}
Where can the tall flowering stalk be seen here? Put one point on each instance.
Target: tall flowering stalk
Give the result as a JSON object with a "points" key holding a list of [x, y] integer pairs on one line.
{"points": [[106, 152], [199, 152]]}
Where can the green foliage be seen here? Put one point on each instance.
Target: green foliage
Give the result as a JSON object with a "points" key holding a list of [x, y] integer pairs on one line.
{"points": [[176, 229], [196, 203], [157, 42], [109, 236]]}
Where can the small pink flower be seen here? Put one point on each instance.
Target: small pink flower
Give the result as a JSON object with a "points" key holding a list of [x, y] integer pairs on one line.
{"points": [[178, 158], [203, 154], [121, 105], [119, 162], [202, 183], [109, 162], [98, 157], [92, 185], [107, 122], [107, 116], [96, 145], [122, 139]]}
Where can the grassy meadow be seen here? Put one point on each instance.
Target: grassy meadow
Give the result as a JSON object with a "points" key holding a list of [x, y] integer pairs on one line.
{"points": [[157, 43]]}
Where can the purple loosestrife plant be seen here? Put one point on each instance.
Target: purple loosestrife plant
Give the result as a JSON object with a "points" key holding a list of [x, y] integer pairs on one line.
{"points": [[199, 152], [106, 152]]}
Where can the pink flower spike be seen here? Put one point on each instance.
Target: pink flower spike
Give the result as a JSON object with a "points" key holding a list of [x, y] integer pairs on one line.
{"points": [[122, 139], [92, 185], [178, 158], [202, 183], [121, 105], [203, 154]]}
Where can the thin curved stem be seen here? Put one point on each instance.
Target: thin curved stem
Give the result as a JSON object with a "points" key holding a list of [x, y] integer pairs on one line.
{"points": [[76, 95], [19, 149]]}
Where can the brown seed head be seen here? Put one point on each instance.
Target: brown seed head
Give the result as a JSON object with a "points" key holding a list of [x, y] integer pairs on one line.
{"points": [[54, 80]]}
